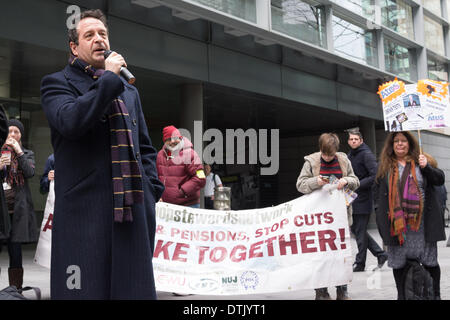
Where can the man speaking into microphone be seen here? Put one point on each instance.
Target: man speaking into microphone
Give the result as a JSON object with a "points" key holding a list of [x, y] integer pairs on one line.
{"points": [[104, 216]]}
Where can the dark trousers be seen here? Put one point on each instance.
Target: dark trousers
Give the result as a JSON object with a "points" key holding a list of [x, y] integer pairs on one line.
{"points": [[209, 203], [363, 239], [435, 273], [14, 248], [15, 254]]}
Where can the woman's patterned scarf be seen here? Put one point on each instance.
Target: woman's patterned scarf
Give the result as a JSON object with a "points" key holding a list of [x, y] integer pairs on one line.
{"points": [[14, 175], [405, 201], [126, 175]]}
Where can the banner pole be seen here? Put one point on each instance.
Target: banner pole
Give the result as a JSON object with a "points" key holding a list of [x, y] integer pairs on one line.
{"points": [[420, 142]]}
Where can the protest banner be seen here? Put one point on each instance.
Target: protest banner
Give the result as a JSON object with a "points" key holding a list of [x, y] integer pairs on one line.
{"points": [[301, 244], [42, 256], [420, 106]]}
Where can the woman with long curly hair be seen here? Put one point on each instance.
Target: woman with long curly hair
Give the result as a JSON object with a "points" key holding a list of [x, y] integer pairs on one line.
{"points": [[408, 215]]}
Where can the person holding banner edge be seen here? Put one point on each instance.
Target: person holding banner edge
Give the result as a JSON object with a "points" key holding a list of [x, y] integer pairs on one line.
{"points": [[48, 175], [317, 168], [408, 215]]}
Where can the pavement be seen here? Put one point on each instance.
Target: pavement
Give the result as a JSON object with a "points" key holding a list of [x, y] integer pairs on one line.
{"points": [[368, 285]]}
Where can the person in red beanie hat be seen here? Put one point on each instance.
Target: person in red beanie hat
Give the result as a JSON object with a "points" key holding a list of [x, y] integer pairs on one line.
{"points": [[169, 132], [180, 169]]}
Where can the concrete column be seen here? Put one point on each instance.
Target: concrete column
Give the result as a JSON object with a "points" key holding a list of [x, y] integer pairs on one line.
{"points": [[191, 118], [5, 84], [421, 53], [329, 27], [367, 128], [191, 106], [380, 49], [377, 17], [444, 6], [263, 14]]}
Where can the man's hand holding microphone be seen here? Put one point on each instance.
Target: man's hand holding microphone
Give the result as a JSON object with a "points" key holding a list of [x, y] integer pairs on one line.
{"points": [[114, 62]]}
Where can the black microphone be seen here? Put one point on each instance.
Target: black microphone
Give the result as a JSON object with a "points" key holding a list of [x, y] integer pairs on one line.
{"points": [[124, 72]]}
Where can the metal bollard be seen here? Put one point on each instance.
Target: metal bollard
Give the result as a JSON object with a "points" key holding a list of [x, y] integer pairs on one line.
{"points": [[222, 198]]}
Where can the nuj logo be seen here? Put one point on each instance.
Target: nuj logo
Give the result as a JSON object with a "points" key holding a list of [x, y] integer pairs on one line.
{"points": [[226, 280]]}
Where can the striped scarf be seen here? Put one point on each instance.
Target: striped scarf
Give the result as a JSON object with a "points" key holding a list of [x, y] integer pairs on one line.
{"points": [[330, 168], [405, 202], [126, 175], [14, 175]]}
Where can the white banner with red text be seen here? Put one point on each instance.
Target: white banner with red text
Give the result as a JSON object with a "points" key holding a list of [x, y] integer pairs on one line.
{"points": [[44, 247], [301, 244]]}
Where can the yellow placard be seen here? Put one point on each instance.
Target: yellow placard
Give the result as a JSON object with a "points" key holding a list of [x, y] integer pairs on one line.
{"points": [[390, 90], [434, 89]]}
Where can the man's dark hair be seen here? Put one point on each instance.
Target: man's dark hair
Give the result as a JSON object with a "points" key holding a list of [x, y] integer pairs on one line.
{"points": [[94, 13], [356, 133]]}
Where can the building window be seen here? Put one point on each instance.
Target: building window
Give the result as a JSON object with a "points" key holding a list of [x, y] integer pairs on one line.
{"points": [[434, 36], [299, 20], [354, 42], [434, 6], [398, 59], [397, 15], [437, 70], [364, 8], [244, 9]]}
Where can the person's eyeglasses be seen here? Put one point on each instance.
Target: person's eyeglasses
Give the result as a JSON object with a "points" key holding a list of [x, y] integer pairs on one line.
{"points": [[173, 139], [402, 141]]}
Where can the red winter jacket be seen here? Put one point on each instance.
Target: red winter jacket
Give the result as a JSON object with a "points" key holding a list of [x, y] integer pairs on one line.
{"points": [[182, 175]]}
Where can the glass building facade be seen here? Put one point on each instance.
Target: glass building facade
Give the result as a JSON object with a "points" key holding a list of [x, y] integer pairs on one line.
{"points": [[437, 70], [394, 38], [299, 20], [434, 35], [398, 59], [244, 9], [434, 6], [398, 16], [387, 35], [354, 42]]}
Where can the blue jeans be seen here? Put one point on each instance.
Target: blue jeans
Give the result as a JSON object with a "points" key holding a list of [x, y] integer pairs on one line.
{"points": [[197, 205]]}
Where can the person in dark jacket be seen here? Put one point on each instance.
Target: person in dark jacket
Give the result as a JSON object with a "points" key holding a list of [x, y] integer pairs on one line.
{"points": [[408, 215], [104, 220], [180, 169], [48, 175], [5, 224], [16, 167], [365, 167]]}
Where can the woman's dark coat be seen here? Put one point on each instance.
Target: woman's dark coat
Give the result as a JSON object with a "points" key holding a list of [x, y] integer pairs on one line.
{"points": [[432, 213], [114, 259], [23, 224], [5, 225]]}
